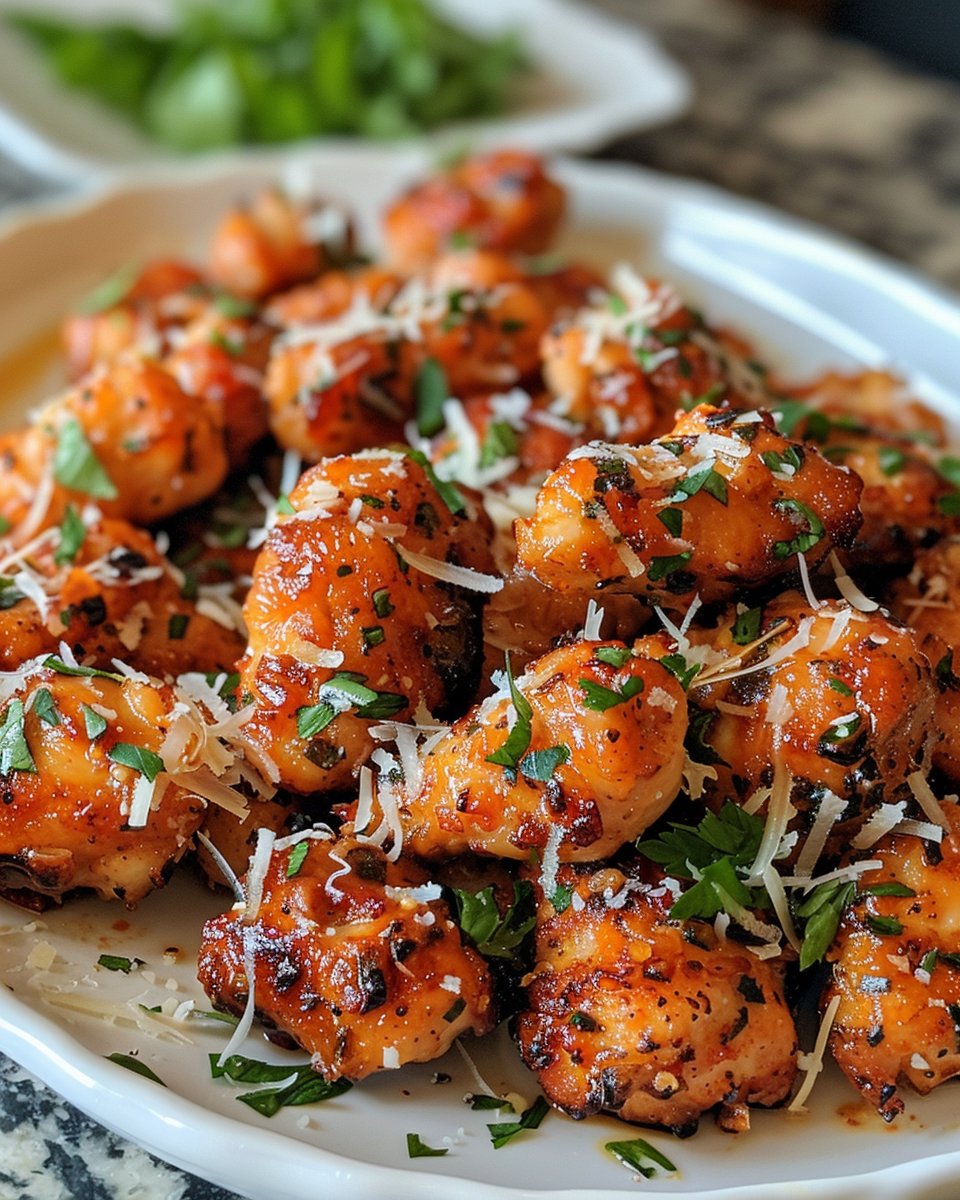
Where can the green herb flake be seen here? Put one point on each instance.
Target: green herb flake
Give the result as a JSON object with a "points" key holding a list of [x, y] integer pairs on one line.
{"points": [[518, 739], [72, 535], [677, 665], [839, 686], [115, 962], [821, 910], [500, 441], [14, 752], [884, 926], [482, 1103], [505, 1131], [891, 460], [455, 1009], [373, 635], [672, 519], [94, 723], [539, 765], [447, 492], [431, 391], [613, 656], [139, 758], [803, 541], [417, 1148], [110, 292], [297, 857], [637, 1155], [893, 888], [746, 627], [599, 698], [284, 507], [135, 1065], [707, 480], [76, 466], [381, 603], [54, 663], [662, 567], [177, 627], [45, 707], [493, 934]]}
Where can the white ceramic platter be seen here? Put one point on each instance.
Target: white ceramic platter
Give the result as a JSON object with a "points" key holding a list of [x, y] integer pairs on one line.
{"points": [[592, 78], [809, 300]]}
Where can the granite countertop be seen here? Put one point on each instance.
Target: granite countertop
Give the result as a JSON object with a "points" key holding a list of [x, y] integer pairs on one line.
{"points": [[813, 124]]}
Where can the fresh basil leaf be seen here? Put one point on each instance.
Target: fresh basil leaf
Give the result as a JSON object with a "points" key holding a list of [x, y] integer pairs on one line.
{"points": [[494, 935], [149, 764], [72, 535], [135, 1065], [14, 752], [539, 765], [417, 1148], [599, 698], [298, 854], [531, 1118], [637, 1155]]}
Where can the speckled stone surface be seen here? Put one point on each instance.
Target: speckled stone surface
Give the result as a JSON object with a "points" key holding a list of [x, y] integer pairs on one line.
{"points": [[817, 126]]}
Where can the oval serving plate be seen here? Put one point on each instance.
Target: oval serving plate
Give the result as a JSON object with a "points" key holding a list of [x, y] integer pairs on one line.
{"points": [[809, 300]]}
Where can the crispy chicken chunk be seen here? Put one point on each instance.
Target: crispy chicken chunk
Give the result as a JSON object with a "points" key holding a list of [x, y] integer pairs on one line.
{"points": [[654, 1020], [351, 960]]}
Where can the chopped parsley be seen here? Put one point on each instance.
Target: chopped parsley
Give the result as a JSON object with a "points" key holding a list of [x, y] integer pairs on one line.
{"points": [[531, 1118], [177, 627], [884, 926], [672, 519], [494, 935], [599, 698], [306, 1087], [661, 567], [891, 460], [381, 603], [707, 480], [76, 466], [447, 492], [94, 723], [54, 663], [430, 390], [518, 739], [139, 758], [821, 911], [636, 1154], [677, 665], [45, 707], [417, 1148], [72, 535], [839, 686], [348, 690], [613, 656], [500, 441], [298, 854], [111, 291], [14, 752], [803, 541], [135, 1065], [539, 765], [776, 460], [115, 962], [746, 627]]}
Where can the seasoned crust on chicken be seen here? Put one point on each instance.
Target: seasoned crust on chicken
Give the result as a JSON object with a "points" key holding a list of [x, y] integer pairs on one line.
{"points": [[349, 961], [64, 819], [606, 734], [117, 597], [848, 709], [895, 971], [333, 594], [654, 1020], [723, 503], [502, 200]]}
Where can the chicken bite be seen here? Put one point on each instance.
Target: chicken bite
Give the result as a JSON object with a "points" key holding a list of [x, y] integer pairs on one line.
{"points": [[366, 603], [77, 749], [721, 504], [353, 956], [896, 970], [580, 755], [653, 1020]]}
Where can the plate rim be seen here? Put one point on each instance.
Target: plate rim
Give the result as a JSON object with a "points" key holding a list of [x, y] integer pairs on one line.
{"points": [[50, 1051]]}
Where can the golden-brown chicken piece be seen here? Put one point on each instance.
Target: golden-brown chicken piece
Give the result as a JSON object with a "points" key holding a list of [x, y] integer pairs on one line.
{"points": [[332, 294], [354, 957], [127, 437], [723, 503], [109, 594], [653, 1020], [350, 383], [274, 242], [502, 200], [235, 840], [896, 970], [350, 618], [587, 751], [625, 366], [841, 700], [927, 600], [132, 312], [76, 751]]}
